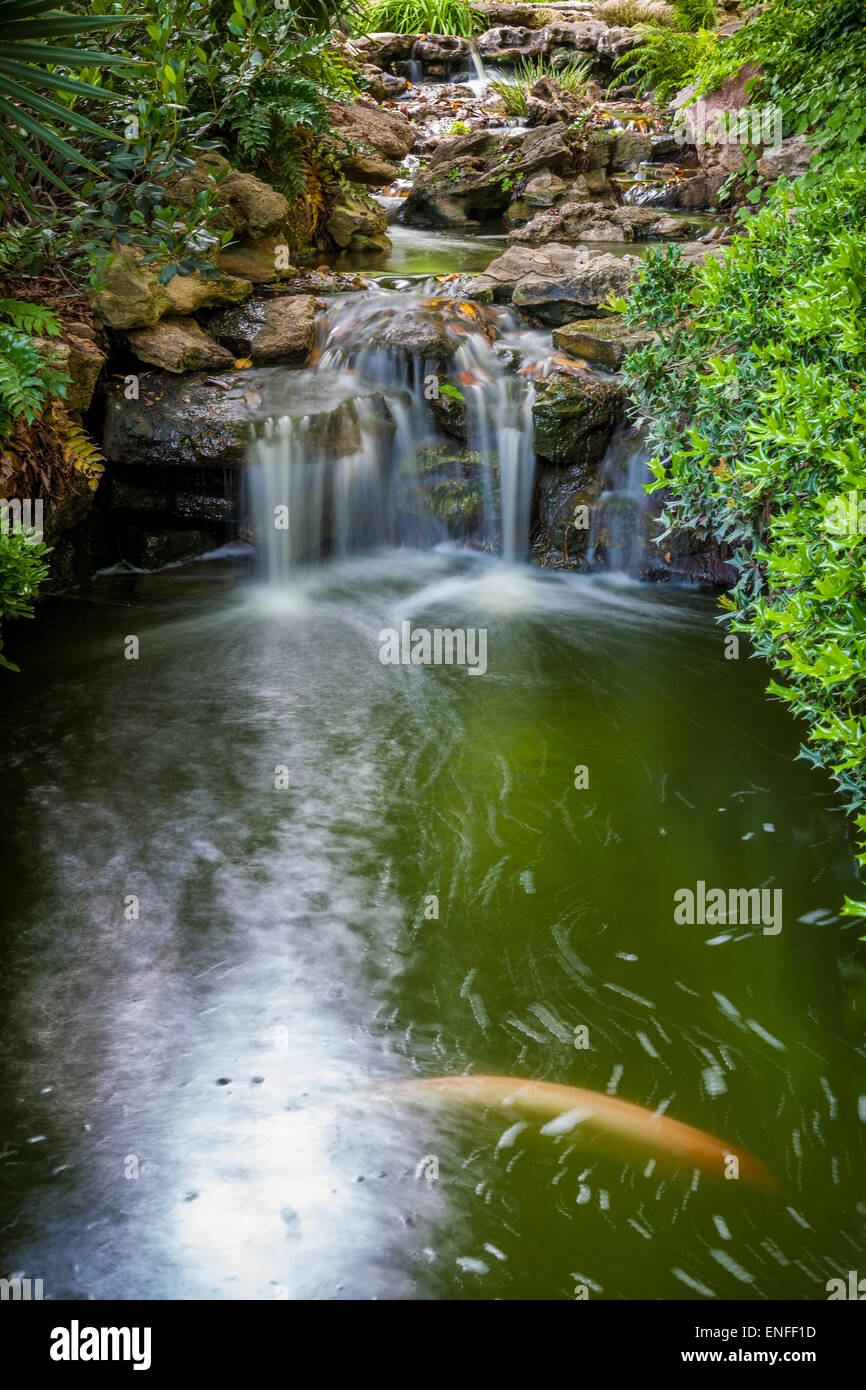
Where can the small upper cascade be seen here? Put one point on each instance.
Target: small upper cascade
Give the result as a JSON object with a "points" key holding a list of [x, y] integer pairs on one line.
{"points": [[428, 437]]}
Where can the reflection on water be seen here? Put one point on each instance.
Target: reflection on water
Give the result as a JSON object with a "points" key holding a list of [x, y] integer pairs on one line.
{"points": [[224, 867], [418, 253]]}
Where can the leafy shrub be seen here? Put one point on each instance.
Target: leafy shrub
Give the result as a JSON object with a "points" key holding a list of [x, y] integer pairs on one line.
{"points": [[422, 17], [667, 60], [691, 15], [22, 571], [813, 54], [756, 401], [28, 62], [239, 73]]}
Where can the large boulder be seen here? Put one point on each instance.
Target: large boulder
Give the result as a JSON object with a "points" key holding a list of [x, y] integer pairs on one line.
{"points": [[614, 42], [130, 295], [269, 330], [179, 345], [443, 51], [790, 158], [706, 123], [358, 223], [508, 44], [471, 178], [582, 34], [250, 207], [574, 418], [386, 133], [383, 49], [553, 283]]}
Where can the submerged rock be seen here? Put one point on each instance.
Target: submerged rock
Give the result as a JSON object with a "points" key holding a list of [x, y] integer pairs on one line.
{"points": [[408, 330], [150, 549]]}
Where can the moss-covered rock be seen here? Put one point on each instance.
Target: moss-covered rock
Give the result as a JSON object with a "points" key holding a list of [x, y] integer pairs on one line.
{"points": [[179, 345], [130, 295], [574, 418], [358, 223], [602, 341]]}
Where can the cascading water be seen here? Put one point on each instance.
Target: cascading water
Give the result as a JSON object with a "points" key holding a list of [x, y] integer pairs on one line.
{"points": [[618, 537], [305, 500], [428, 436], [481, 81]]}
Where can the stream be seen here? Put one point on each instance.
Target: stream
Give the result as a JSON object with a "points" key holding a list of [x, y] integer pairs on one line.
{"points": [[255, 872]]}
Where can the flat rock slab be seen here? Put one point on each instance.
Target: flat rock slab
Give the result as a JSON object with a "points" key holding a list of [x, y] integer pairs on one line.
{"points": [[550, 283], [179, 345], [602, 341], [208, 422]]}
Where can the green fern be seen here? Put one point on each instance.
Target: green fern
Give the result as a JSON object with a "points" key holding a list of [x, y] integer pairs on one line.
{"points": [[30, 318], [21, 389], [27, 379]]}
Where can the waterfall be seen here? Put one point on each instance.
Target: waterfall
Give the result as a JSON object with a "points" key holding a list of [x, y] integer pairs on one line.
{"points": [[381, 460], [618, 536], [499, 424], [481, 81], [307, 503]]}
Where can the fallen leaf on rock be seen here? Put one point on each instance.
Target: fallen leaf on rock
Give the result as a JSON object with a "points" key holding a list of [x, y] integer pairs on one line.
{"points": [[242, 362]]}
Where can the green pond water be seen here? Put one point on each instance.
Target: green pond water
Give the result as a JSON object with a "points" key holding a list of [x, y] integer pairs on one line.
{"points": [[186, 1100]]}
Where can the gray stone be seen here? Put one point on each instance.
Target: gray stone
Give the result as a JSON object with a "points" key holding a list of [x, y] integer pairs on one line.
{"points": [[552, 282], [269, 330], [179, 345]]}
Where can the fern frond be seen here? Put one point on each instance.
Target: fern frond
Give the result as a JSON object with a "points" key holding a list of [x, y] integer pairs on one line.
{"points": [[29, 318]]}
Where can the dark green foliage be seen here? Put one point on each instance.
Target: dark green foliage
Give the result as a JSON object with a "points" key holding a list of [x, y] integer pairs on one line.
{"points": [[813, 53], [22, 571]]}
